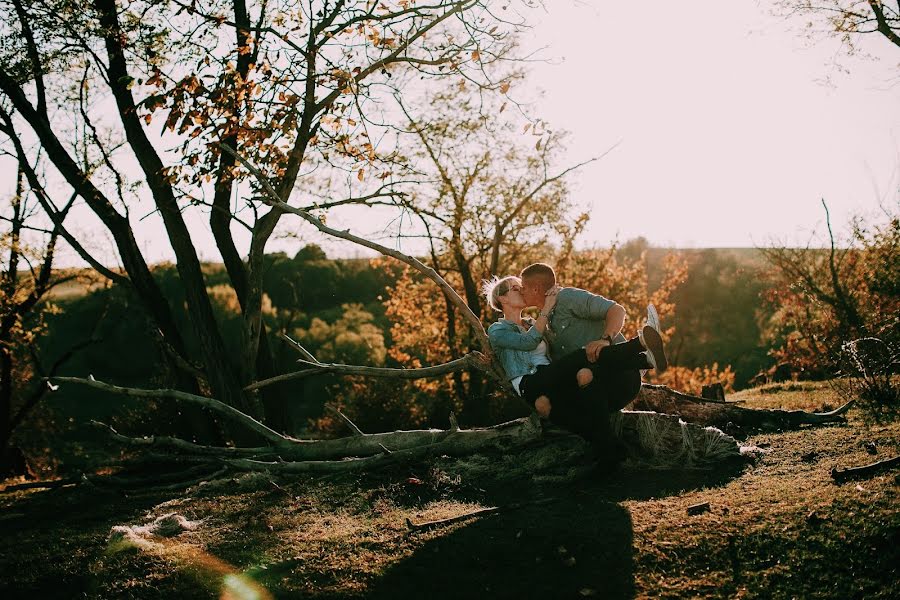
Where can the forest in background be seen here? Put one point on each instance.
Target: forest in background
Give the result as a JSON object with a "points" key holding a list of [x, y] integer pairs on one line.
{"points": [[735, 316]]}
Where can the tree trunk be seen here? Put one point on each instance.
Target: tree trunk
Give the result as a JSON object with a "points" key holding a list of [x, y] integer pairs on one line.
{"points": [[5, 402], [724, 415], [220, 373]]}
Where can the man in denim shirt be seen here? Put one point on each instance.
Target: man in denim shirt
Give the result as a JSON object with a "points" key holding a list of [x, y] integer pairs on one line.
{"points": [[582, 319]]}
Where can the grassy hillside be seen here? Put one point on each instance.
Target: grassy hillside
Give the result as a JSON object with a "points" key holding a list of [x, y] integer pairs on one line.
{"points": [[777, 528]]}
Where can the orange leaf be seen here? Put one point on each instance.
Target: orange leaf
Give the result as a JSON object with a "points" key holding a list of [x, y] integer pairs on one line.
{"points": [[361, 174], [504, 87], [476, 55]]}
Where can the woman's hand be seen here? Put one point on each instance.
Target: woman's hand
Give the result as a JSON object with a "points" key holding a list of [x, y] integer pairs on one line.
{"points": [[550, 299]]}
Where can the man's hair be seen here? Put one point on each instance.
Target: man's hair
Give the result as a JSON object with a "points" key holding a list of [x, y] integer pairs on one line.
{"points": [[496, 287], [539, 273]]}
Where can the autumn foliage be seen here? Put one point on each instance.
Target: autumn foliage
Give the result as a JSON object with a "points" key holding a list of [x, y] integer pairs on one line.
{"points": [[823, 301]]}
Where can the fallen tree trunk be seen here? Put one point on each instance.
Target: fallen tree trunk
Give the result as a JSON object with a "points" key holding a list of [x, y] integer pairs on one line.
{"points": [[662, 439], [650, 438], [668, 441], [717, 413], [453, 442]]}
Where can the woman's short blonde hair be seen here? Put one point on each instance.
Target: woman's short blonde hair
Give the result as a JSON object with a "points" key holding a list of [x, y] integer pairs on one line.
{"points": [[497, 286]]}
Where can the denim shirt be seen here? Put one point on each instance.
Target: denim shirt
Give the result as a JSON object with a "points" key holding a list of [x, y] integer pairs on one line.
{"points": [[513, 347], [578, 318]]}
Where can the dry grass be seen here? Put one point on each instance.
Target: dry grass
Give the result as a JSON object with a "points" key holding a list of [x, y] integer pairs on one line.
{"points": [[779, 528]]}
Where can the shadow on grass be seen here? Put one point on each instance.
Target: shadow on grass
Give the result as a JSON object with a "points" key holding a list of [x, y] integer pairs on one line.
{"points": [[553, 550], [578, 543]]}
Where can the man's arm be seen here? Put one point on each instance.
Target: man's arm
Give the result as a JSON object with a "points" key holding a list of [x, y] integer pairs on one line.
{"points": [[587, 305], [615, 320]]}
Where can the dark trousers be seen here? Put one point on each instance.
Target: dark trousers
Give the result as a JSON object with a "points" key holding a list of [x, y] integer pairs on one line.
{"points": [[585, 411]]}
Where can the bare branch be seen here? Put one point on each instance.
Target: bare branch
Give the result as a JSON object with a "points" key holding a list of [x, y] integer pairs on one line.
{"points": [[661, 399], [473, 359], [332, 408], [883, 26], [841, 475], [210, 403], [171, 443], [296, 345], [34, 57]]}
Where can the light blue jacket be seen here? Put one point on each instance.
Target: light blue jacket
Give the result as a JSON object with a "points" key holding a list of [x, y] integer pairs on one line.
{"points": [[513, 347]]}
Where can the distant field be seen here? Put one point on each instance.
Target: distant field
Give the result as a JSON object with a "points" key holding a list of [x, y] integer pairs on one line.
{"points": [[72, 289]]}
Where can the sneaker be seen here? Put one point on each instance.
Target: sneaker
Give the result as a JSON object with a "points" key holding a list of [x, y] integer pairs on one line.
{"points": [[652, 318], [652, 342]]}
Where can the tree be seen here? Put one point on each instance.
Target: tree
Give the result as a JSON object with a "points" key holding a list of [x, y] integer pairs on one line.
{"points": [[846, 19], [25, 282], [487, 195], [293, 86], [823, 298]]}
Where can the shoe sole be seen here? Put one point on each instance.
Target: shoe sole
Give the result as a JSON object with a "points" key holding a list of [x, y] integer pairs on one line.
{"points": [[652, 317], [654, 344]]}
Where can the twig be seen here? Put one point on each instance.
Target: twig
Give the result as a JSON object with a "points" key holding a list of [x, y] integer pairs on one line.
{"points": [[696, 509], [299, 348], [449, 521], [356, 430], [281, 489], [33, 485], [840, 475], [475, 513]]}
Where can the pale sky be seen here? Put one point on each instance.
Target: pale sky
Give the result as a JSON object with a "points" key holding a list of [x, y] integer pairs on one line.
{"points": [[728, 135]]}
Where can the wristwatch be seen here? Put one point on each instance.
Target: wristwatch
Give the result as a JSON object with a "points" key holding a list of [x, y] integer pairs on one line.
{"points": [[608, 338]]}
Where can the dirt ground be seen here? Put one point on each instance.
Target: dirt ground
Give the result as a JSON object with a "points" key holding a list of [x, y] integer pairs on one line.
{"points": [[776, 528]]}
